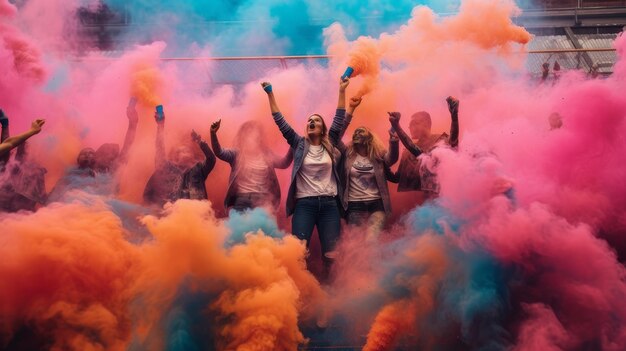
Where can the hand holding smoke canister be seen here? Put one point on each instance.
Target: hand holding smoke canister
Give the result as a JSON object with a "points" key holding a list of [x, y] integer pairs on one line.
{"points": [[267, 87], [159, 115], [4, 120], [132, 102], [347, 73]]}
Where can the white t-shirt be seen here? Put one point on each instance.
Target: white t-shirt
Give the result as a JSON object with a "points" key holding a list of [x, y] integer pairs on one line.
{"points": [[363, 185], [315, 177], [253, 176]]}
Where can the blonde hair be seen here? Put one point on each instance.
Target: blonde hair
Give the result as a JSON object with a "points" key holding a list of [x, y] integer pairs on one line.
{"points": [[375, 149]]}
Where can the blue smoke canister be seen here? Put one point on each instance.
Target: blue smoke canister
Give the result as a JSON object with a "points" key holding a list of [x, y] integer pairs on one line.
{"points": [[347, 73], [159, 111]]}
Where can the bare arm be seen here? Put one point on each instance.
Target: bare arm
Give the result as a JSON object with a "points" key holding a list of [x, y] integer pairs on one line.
{"points": [[4, 121], [343, 84], [159, 156], [354, 103], [392, 155], [394, 119], [17, 140], [226, 155], [133, 120], [453, 107]]}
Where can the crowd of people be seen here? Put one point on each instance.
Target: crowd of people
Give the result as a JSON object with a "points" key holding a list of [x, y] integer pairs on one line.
{"points": [[330, 179]]}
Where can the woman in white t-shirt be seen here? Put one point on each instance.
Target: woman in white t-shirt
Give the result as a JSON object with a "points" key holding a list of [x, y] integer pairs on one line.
{"points": [[366, 194], [315, 191], [252, 182]]}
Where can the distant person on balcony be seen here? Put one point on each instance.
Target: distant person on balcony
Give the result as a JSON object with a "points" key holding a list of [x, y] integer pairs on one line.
{"points": [[556, 70], [545, 71]]}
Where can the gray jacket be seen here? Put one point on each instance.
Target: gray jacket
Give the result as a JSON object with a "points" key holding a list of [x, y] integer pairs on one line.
{"points": [[300, 146], [380, 169], [231, 156]]}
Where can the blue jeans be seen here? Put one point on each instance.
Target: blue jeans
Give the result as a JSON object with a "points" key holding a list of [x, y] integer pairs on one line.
{"points": [[323, 212], [368, 214]]}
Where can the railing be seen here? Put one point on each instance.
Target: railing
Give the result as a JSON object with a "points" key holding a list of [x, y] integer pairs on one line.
{"points": [[569, 4], [242, 70]]}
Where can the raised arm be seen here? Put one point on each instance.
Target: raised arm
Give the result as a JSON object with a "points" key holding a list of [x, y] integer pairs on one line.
{"points": [[133, 120], [453, 107], [288, 133], [12, 142], [392, 154], [226, 155], [209, 157], [391, 176], [159, 156], [338, 121], [354, 103], [4, 123], [394, 119], [285, 161]]}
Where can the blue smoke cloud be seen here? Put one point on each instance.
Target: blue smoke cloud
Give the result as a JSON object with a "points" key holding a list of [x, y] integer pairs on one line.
{"points": [[241, 223], [472, 301], [256, 27]]}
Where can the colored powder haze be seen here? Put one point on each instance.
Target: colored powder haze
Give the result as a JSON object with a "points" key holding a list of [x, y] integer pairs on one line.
{"points": [[541, 269]]}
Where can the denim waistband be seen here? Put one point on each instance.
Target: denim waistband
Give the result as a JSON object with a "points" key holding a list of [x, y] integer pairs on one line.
{"points": [[370, 206], [321, 197]]}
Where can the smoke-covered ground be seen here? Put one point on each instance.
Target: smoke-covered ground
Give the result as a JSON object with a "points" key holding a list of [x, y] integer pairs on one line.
{"points": [[538, 269]]}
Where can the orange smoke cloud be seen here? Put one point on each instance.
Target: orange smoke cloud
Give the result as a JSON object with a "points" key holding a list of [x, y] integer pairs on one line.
{"points": [[265, 280], [393, 320], [486, 23], [65, 271], [70, 274], [365, 59], [479, 25], [146, 83], [403, 318]]}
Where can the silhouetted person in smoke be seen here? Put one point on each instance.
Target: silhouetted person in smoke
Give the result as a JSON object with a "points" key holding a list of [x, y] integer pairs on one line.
{"points": [[22, 181], [366, 196], [545, 71], [415, 172], [315, 191], [594, 71], [555, 120], [180, 177], [94, 169], [556, 70], [108, 157], [252, 181], [9, 143]]}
